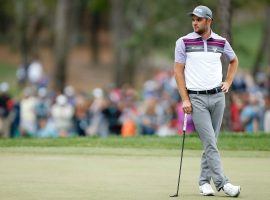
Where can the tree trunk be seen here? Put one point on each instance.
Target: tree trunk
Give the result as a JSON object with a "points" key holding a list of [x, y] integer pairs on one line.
{"points": [[95, 22], [61, 43], [225, 16], [117, 23], [125, 58], [268, 33], [21, 20], [265, 43]]}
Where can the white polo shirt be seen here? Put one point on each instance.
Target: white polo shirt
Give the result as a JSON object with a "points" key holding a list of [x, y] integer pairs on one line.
{"points": [[203, 68]]}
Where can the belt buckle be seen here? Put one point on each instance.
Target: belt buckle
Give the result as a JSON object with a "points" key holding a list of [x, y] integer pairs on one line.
{"points": [[216, 90]]}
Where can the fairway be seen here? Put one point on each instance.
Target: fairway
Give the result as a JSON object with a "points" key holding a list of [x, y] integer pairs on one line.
{"points": [[80, 173]]}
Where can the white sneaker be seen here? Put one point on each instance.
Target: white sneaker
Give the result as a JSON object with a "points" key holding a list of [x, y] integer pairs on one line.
{"points": [[206, 190], [231, 190]]}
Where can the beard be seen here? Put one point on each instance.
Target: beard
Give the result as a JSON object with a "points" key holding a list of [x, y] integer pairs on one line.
{"points": [[201, 30]]}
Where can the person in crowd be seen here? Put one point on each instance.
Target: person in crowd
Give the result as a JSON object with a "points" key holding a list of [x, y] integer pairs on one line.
{"points": [[15, 119], [166, 114], [239, 82], [69, 92], [236, 107], [6, 105], [47, 129], [62, 113], [43, 106], [250, 114], [112, 115], [28, 119], [22, 75], [98, 124], [148, 118], [266, 120], [81, 115], [35, 72], [129, 117]]}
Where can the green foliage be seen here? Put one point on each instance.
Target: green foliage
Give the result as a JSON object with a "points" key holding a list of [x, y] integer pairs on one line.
{"points": [[98, 6], [246, 41]]}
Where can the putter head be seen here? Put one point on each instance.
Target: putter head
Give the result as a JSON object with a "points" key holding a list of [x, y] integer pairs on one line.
{"points": [[176, 195]]}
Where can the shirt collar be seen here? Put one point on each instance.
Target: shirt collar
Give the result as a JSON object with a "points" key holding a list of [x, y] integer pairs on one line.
{"points": [[196, 35]]}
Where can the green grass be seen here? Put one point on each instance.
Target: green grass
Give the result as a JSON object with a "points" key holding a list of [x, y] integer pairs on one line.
{"points": [[227, 141], [68, 173]]}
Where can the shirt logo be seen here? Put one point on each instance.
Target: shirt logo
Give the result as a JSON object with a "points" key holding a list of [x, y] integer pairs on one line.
{"points": [[195, 47]]}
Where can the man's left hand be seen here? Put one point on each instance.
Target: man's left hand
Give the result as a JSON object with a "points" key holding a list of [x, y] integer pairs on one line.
{"points": [[225, 87]]}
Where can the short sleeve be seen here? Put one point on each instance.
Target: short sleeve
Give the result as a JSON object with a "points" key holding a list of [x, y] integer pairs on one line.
{"points": [[228, 51], [180, 52]]}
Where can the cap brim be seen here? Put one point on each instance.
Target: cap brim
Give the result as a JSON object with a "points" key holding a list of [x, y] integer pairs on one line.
{"points": [[196, 14]]}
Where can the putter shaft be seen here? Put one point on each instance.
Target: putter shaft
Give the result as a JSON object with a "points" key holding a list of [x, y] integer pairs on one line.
{"points": [[182, 150]]}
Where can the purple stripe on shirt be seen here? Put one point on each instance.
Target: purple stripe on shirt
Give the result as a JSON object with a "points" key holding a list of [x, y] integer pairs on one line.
{"points": [[215, 44], [216, 40], [193, 43]]}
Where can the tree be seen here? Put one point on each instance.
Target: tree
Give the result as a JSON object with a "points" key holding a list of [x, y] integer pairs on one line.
{"points": [[141, 28], [21, 22], [124, 50], [61, 45], [265, 43], [225, 17]]}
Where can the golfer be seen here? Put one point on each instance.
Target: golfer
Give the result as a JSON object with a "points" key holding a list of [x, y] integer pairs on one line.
{"points": [[198, 72]]}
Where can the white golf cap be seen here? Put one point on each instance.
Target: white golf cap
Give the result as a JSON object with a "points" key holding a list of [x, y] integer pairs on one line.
{"points": [[202, 11]]}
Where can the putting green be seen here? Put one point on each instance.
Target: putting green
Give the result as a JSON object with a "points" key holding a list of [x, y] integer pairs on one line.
{"points": [[130, 174]]}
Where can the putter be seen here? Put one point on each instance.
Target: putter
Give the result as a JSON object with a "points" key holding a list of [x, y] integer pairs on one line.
{"points": [[183, 143]]}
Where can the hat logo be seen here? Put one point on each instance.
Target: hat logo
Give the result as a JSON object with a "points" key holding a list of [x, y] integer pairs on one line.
{"points": [[198, 10]]}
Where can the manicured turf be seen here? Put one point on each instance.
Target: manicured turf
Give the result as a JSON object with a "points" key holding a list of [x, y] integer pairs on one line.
{"points": [[126, 168], [58, 173], [227, 141]]}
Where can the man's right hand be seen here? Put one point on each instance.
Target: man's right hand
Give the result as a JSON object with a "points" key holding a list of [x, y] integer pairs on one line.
{"points": [[186, 105]]}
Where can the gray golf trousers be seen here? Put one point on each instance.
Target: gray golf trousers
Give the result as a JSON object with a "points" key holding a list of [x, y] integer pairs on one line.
{"points": [[207, 114]]}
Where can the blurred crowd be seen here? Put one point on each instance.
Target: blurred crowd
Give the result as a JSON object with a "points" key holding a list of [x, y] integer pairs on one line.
{"points": [[250, 102], [42, 112]]}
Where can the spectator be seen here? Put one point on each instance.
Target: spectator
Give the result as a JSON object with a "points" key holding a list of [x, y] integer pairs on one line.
{"points": [[62, 113], [46, 129], [250, 115], [43, 105], [98, 123], [69, 92], [6, 105], [149, 118], [81, 116], [28, 118], [22, 75], [239, 83], [112, 114], [36, 74], [266, 120], [15, 120], [129, 118], [236, 108]]}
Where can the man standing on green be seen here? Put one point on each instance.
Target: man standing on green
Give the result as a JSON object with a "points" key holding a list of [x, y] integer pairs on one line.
{"points": [[198, 72]]}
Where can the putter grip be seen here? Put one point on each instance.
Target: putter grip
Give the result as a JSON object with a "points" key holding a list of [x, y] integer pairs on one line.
{"points": [[185, 122]]}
